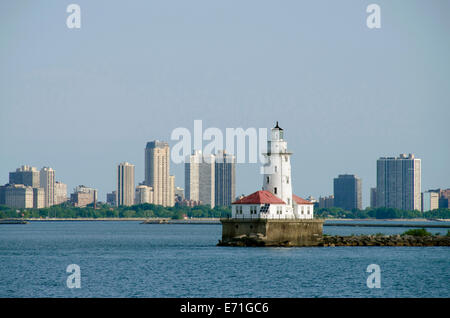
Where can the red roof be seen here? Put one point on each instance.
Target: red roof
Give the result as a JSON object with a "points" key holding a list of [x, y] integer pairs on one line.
{"points": [[299, 200], [260, 197]]}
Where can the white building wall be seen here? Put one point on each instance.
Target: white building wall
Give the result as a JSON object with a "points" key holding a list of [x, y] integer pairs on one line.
{"points": [[304, 211], [275, 211]]}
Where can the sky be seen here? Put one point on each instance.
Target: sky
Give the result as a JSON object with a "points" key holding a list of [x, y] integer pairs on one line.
{"points": [[83, 100]]}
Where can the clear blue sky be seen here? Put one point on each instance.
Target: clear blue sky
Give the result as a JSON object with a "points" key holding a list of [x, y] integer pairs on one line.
{"points": [[82, 101]]}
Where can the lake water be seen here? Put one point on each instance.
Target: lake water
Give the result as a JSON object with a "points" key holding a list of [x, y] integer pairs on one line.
{"points": [[128, 259]]}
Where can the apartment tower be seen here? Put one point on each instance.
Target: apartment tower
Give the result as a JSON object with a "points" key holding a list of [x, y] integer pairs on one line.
{"points": [[157, 173], [225, 179], [47, 181], [125, 184], [199, 178], [399, 182]]}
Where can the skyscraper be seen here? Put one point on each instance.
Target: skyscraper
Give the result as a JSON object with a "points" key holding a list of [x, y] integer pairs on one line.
{"points": [[225, 179], [47, 181], [373, 197], [26, 175], [399, 182], [347, 192], [157, 172], [60, 192], [199, 178], [125, 184]]}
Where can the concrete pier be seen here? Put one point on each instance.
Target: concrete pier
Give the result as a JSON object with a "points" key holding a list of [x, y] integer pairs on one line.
{"points": [[271, 232]]}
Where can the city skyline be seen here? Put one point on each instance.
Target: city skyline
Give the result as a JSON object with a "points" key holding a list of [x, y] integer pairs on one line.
{"points": [[346, 94], [28, 179]]}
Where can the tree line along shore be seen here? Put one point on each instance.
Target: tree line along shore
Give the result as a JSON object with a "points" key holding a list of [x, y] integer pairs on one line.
{"points": [[146, 210]]}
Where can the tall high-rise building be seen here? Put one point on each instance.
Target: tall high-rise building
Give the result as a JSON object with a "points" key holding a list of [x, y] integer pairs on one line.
{"points": [[399, 182], [26, 175], [347, 192], [125, 184], [199, 178], [373, 197], [60, 192], [157, 172], [225, 178], [47, 181], [171, 201]]}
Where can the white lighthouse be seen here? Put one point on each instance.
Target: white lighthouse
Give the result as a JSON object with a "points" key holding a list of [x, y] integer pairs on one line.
{"points": [[276, 200], [277, 170]]}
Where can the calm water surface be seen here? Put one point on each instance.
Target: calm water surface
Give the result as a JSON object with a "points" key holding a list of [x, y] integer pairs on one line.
{"points": [[128, 259]]}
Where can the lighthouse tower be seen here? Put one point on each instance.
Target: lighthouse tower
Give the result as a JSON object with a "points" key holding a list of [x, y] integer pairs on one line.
{"points": [[275, 200], [277, 170]]}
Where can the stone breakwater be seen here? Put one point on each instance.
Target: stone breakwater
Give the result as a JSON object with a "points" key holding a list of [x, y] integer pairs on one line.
{"points": [[353, 240], [385, 240]]}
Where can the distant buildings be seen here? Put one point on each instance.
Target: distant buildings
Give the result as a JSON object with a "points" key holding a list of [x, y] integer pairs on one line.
{"points": [[143, 194], [179, 193], [326, 202], [444, 199], [430, 200], [399, 182], [125, 184], [435, 199], [210, 179], [38, 198], [19, 196], [60, 192], [47, 181], [157, 173], [82, 196], [347, 192], [200, 178], [373, 197], [111, 198], [225, 179], [27, 186], [26, 175]]}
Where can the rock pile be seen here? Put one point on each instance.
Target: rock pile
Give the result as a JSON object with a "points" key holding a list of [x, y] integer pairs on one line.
{"points": [[353, 240], [385, 240]]}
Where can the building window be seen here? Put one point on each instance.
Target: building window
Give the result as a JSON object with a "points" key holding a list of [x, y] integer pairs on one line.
{"points": [[287, 180], [289, 201], [276, 168], [275, 190], [267, 180], [279, 210]]}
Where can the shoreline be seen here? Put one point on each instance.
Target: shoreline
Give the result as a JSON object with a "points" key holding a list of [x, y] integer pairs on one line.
{"points": [[209, 221]]}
